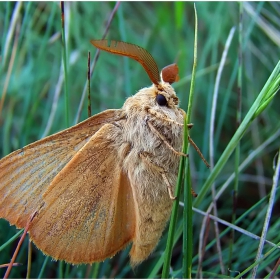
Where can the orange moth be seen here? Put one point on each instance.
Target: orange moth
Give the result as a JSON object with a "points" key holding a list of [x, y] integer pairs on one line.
{"points": [[106, 182]]}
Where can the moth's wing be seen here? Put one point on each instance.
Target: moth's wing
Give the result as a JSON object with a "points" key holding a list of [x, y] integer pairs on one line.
{"points": [[26, 173], [88, 213]]}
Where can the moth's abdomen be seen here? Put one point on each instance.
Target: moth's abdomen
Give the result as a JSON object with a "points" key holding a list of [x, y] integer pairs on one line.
{"points": [[151, 223], [153, 208], [150, 192]]}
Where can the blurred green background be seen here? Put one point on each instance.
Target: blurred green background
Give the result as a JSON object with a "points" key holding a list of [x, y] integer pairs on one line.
{"points": [[33, 104]]}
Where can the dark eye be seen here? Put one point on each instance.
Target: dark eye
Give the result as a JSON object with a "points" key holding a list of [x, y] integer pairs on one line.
{"points": [[161, 100]]}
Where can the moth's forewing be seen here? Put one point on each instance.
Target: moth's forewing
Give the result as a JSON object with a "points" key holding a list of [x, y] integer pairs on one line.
{"points": [[89, 212], [26, 173]]}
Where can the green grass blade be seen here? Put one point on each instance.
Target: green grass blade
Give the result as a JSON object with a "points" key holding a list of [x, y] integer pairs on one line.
{"points": [[11, 239], [258, 262], [237, 151], [187, 225], [42, 270], [173, 219], [170, 239], [64, 58], [273, 84]]}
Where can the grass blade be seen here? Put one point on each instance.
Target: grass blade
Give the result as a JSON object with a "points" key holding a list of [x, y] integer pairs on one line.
{"points": [[170, 239], [269, 89], [64, 56], [187, 225]]}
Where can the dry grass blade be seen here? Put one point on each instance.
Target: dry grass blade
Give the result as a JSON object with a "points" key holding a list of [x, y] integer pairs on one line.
{"points": [[268, 216], [274, 269], [96, 56], [10, 68], [11, 264], [7, 264], [211, 151], [270, 31], [237, 228]]}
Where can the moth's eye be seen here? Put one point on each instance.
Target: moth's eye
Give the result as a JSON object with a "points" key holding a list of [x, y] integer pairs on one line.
{"points": [[161, 100]]}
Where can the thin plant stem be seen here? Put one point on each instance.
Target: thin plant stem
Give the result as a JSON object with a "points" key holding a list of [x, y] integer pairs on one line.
{"points": [[96, 56], [173, 219], [270, 31], [60, 269], [18, 246], [275, 269], [211, 153], [268, 214], [95, 270], [10, 68], [64, 56], [230, 225], [11, 239], [187, 212], [127, 71], [187, 225], [29, 259], [88, 86], [259, 261], [43, 267], [67, 270], [55, 101], [238, 120], [189, 110], [11, 30]]}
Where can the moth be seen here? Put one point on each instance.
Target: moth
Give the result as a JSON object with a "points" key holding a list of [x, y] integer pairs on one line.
{"points": [[106, 182]]}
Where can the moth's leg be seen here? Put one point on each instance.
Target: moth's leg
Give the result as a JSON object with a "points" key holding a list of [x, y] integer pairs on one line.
{"points": [[159, 116], [154, 130], [145, 156], [198, 151], [194, 194]]}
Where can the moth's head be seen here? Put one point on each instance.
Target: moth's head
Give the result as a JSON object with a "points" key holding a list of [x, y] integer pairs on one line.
{"points": [[161, 96], [161, 93], [165, 95]]}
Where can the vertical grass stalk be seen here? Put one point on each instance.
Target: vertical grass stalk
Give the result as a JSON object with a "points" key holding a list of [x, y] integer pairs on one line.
{"points": [[122, 28], [187, 225], [60, 269], [96, 56], [43, 267], [95, 270], [187, 210], [173, 219], [88, 86], [268, 214], [29, 259], [64, 58], [238, 120]]}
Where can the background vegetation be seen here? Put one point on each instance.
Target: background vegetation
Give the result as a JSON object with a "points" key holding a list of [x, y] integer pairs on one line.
{"points": [[32, 105]]}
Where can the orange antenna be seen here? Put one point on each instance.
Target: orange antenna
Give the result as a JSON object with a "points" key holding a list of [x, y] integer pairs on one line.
{"points": [[133, 51], [170, 74]]}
